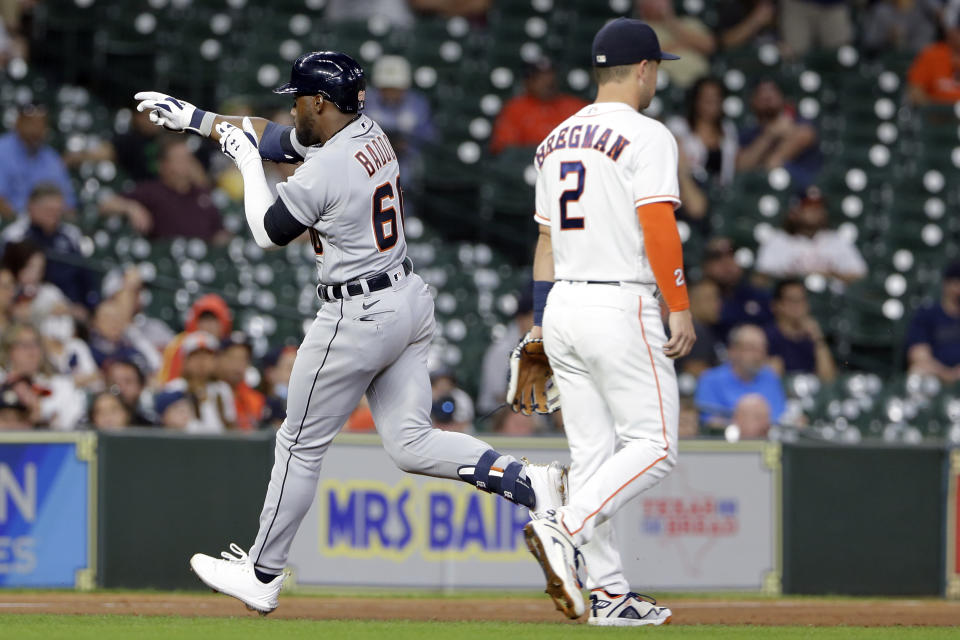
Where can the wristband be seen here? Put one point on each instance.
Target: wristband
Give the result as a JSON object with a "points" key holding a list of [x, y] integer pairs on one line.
{"points": [[202, 121], [206, 124], [541, 289]]}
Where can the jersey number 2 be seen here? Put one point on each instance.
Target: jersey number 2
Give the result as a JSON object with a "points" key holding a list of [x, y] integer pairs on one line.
{"points": [[385, 218], [571, 195]]}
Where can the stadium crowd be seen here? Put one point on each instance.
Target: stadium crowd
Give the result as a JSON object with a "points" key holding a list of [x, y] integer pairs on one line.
{"points": [[78, 350]]}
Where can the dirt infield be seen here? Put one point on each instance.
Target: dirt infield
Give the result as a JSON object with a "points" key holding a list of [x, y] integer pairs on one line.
{"points": [[687, 611]]}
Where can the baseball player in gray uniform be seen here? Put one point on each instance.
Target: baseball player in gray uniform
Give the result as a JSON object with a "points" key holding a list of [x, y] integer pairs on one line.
{"points": [[374, 327]]}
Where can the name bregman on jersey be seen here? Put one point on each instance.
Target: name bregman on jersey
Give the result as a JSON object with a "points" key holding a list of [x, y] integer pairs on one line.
{"points": [[379, 150], [582, 137]]}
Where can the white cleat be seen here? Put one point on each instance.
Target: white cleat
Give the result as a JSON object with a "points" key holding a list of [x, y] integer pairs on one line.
{"points": [[234, 576], [549, 484], [628, 610], [553, 548]]}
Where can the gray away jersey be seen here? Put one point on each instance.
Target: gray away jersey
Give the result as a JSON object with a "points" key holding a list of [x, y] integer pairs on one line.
{"points": [[348, 192]]}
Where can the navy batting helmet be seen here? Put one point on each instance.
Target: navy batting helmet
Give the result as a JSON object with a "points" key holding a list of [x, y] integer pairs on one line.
{"points": [[331, 74]]}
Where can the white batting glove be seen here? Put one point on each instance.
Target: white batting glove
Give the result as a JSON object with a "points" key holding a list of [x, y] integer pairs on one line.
{"points": [[175, 114], [240, 145]]}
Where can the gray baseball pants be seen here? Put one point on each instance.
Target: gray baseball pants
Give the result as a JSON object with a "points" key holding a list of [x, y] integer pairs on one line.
{"points": [[375, 344]]}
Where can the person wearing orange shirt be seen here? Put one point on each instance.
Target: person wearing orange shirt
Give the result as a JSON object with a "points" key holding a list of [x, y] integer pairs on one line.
{"points": [[233, 361], [934, 76], [528, 118]]}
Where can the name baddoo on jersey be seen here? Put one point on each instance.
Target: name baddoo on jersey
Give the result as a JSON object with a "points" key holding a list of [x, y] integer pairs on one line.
{"points": [[375, 154], [582, 137]]}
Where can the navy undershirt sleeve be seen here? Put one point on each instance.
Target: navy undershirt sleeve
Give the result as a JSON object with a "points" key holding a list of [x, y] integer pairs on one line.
{"points": [[280, 225]]}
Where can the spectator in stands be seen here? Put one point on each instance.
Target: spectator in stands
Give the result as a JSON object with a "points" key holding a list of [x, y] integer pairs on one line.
{"points": [[496, 360], [108, 339], [403, 113], [52, 400], [746, 22], [525, 120], [28, 264], [214, 410], [473, 9], [695, 204], [708, 141], [277, 367], [108, 412], [27, 160], [178, 204], [137, 150], [934, 76], [900, 25], [808, 245], [125, 287], [208, 313], [743, 303], [60, 241], [397, 13], [752, 417], [14, 412], [684, 36], [795, 340], [705, 306], [233, 362], [8, 289], [811, 24], [125, 378], [176, 411], [452, 407], [360, 419], [68, 355], [933, 336], [746, 372], [779, 138], [12, 14]]}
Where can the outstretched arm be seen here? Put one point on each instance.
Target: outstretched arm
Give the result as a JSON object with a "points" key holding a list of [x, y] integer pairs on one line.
{"points": [[277, 142]]}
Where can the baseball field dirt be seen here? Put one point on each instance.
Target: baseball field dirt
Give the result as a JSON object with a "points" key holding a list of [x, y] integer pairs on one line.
{"points": [[522, 608]]}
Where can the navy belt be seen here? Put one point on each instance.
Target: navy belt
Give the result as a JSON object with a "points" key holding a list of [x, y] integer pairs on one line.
{"points": [[378, 282]]}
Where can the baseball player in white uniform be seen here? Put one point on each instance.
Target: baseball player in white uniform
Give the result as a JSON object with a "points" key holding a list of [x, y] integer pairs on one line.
{"points": [[374, 328], [605, 197]]}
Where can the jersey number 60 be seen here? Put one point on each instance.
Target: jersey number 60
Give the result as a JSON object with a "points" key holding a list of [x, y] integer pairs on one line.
{"points": [[571, 195], [385, 218]]}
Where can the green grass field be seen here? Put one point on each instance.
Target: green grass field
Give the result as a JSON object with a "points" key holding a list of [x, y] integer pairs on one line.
{"points": [[47, 627]]}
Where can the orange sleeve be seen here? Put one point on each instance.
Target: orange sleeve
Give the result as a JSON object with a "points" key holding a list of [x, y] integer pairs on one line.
{"points": [[664, 251]]}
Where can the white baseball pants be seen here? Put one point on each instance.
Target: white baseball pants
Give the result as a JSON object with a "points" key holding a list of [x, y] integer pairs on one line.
{"points": [[620, 402]]}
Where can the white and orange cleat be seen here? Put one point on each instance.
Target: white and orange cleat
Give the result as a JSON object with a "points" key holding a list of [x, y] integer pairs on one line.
{"points": [[553, 548]]}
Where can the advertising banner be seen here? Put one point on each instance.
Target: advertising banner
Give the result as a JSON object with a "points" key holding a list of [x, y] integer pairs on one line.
{"points": [[953, 536], [47, 519], [712, 524]]}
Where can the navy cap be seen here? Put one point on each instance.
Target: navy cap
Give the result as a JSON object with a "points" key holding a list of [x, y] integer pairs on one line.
{"points": [[626, 41]]}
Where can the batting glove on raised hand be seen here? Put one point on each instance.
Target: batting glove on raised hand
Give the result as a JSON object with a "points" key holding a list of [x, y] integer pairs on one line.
{"points": [[240, 145], [174, 114]]}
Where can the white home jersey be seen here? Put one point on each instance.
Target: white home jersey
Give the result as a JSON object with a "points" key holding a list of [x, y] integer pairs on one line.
{"points": [[593, 171], [348, 192]]}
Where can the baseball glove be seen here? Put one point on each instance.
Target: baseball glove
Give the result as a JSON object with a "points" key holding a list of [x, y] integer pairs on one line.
{"points": [[531, 388]]}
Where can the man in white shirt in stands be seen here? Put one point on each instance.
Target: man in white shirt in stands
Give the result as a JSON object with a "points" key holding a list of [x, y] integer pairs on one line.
{"points": [[807, 245]]}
